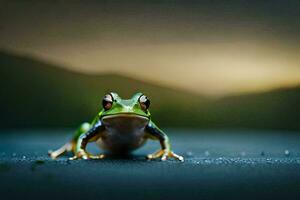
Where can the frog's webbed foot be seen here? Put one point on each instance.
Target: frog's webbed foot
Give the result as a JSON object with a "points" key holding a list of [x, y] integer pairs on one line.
{"points": [[164, 155], [84, 155], [66, 148]]}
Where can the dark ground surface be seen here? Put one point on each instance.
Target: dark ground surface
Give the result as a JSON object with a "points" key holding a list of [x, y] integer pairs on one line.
{"points": [[219, 165]]}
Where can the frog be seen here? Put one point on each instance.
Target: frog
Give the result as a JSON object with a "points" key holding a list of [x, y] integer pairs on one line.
{"points": [[120, 127]]}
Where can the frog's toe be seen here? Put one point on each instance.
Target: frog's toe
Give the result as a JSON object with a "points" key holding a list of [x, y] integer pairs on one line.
{"points": [[50, 152], [177, 157], [77, 158], [155, 155], [96, 157], [73, 158], [164, 155], [53, 154], [80, 155], [164, 158], [171, 154]]}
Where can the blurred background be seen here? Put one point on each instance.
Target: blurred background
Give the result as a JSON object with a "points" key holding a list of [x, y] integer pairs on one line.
{"points": [[204, 64], [223, 78]]}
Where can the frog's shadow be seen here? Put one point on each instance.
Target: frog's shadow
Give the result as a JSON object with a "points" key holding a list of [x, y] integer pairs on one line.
{"points": [[123, 156], [128, 156]]}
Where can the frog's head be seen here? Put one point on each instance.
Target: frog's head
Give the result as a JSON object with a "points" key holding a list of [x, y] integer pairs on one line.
{"points": [[116, 109]]}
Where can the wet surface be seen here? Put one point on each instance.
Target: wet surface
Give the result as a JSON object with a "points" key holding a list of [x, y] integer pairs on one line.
{"points": [[218, 165]]}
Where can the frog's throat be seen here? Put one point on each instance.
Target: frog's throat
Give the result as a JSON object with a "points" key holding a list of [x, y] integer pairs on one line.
{"points": [[123, 132]]}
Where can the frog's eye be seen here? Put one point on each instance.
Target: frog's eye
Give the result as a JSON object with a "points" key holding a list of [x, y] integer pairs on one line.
{"points": [[107, 101], [144, 102]]}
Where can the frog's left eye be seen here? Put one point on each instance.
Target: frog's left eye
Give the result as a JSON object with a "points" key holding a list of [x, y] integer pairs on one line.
{"points": [[144, 102], [107, 101]]}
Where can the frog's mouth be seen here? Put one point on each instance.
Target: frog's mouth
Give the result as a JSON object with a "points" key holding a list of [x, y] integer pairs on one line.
{"points": [[125, 121]]}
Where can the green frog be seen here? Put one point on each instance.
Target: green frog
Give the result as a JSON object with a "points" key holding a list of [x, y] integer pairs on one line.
{"points": [[122, 126]]}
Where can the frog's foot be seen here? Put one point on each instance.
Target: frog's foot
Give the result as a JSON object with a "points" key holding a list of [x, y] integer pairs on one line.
{"points": [[96, 157], [84, 155], [164, 154], [67, 147]]}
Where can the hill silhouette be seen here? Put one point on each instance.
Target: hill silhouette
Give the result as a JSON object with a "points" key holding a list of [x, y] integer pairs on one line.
{"points": [[37, 94], [34, 93], [276, 109]]}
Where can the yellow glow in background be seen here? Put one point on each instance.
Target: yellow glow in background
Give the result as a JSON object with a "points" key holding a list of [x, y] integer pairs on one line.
{"points": [[205, 47]]}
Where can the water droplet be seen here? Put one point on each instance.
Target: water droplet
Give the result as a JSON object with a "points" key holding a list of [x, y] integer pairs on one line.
{"points": [[206, 161], [189, 153], [286, 152], [206, 153]]}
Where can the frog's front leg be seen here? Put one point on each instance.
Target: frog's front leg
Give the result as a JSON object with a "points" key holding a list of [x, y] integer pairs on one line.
{"points": [[92, 135], [154, 132]]}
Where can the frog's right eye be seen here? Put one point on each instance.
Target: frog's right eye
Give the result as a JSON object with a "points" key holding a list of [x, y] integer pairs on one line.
{"points": [[107, 101]]}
